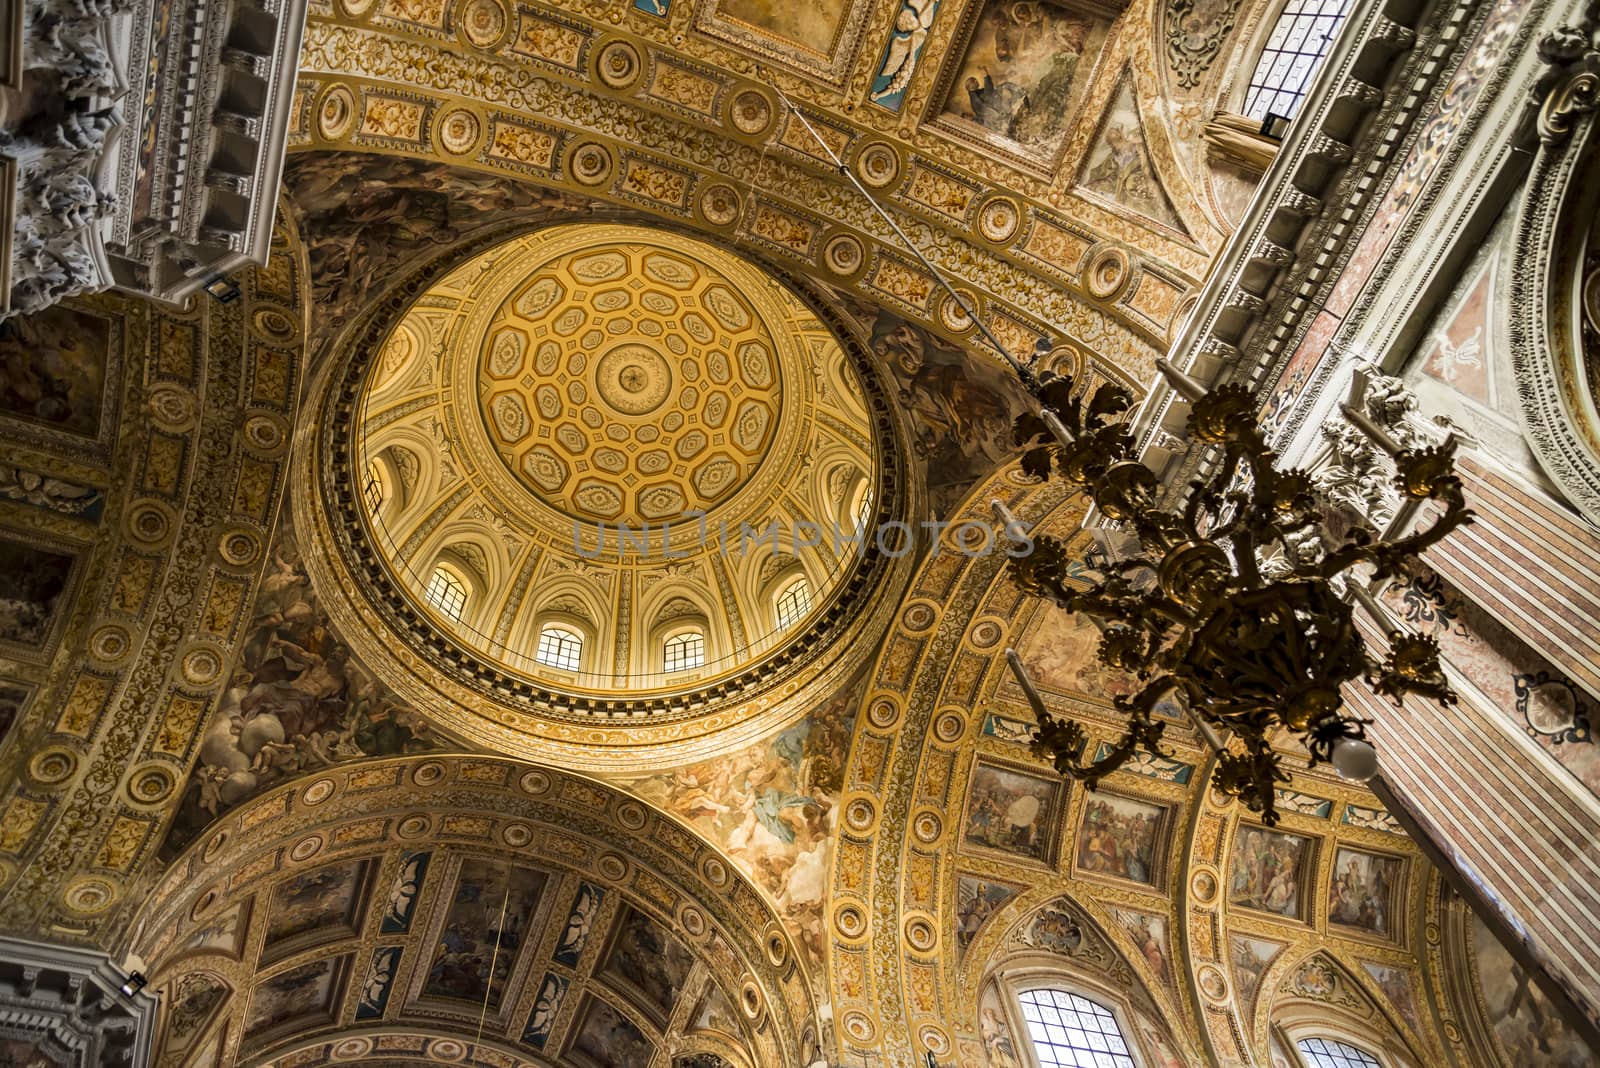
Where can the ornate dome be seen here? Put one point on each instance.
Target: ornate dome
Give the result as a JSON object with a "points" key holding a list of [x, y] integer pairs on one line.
{"points": [[613, 468]]}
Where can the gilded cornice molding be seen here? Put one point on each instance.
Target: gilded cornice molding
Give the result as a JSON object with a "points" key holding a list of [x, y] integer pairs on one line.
{"points": [[1317, 201], [667, 159]]}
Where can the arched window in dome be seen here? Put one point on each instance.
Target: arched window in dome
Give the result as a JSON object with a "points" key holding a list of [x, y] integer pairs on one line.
{"points": [[794, 601], [447, 592], [372, 488], [1299, 42], [862, 511], [1068, 1030], [1331, 1053], [684, 651], [559, 647]]}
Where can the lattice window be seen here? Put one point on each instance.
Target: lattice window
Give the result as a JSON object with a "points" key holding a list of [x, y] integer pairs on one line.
{"points": [[1302, 37], [794, 602], [372, 490], [1070, 1031], [559, 648], [447, 593], [686, 651], [864, 511], [1330, 1053]]}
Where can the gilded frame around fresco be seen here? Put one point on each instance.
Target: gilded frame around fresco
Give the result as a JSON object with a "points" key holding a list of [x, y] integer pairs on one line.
{"points": [[969, 134]]}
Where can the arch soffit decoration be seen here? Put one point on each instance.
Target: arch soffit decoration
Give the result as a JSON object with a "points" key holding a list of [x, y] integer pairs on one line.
{"points": [[622, 138], [327, 521], [217, 910], [191, 463], [903, 853], [1549, 293]]}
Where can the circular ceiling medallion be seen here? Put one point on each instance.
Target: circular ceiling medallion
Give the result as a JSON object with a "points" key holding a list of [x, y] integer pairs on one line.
{"points": [[719, 204], [1106, 272], [483, 22], [878, 164], [618, 64], [750, 112], [591, 163], [458, 131], [336, 114], [844, 254], [998, 219]]}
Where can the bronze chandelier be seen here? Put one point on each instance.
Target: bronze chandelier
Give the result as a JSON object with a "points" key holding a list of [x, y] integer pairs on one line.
{"points": [[1193, 613]]}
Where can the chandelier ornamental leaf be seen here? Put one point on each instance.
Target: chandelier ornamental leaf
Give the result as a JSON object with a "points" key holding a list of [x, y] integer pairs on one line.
{"points": [[1194, 615]]}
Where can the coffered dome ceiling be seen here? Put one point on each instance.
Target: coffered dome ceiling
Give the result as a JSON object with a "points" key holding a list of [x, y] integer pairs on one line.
{"points": [[621, 432]]}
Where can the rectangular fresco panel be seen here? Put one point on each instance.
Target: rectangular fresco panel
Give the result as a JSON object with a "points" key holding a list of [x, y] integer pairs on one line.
{"points": [[314, 907], [1024, 74], [33, 583], [1364, 891], [485, 891], [224, 933], [811, 25], [1149, 934], [52, 368], [643, 955], [608, 1039], [12, 698], [977, 900], [380, 978], [552, 992], [1012, 812], [1122, 837], [302, 997], [1269, 870]]}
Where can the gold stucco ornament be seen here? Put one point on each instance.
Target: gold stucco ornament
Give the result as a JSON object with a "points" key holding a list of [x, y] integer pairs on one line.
{"points": [[1193, 614]]}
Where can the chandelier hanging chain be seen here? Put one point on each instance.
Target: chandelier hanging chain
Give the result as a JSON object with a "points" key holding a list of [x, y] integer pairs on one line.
{"points": [[1193, 615]]}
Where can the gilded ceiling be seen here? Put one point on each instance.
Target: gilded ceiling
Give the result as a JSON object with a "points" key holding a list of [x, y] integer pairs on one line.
{"points": [[550, 268], [624, 429]]}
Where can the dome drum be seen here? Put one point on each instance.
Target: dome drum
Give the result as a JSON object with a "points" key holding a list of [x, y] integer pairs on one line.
{"points": [[589, 384]]}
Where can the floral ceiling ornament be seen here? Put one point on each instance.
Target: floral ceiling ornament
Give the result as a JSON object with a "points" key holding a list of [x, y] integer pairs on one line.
{"points": [[1193, 613]]}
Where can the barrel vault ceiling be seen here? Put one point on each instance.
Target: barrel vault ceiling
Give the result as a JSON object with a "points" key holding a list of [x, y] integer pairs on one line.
{"points": [[855, 881]]}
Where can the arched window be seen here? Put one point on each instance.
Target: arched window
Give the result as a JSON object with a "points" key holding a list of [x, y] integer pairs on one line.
{"points": [[372, 489], [684, 651], [1302, 37], [1070, 1031], [447, 593], [863, 508], [1331, 1053], [794, 602], [559, 648]]}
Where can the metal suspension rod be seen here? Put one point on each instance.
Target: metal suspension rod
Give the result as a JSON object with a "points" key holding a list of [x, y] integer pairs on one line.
{"points": [[938, 275]]}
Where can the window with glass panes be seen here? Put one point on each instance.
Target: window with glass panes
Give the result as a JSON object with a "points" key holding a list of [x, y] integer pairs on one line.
{"points": [[373, 490], [1331, 1053], [794, 602], [1302, 37], [685, 651], [1070, 1031], [559, 648], [447, 593]]}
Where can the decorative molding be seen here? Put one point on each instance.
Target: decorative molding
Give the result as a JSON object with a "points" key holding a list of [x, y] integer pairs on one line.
{"points": [[118, 180], [68, 1005]]}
